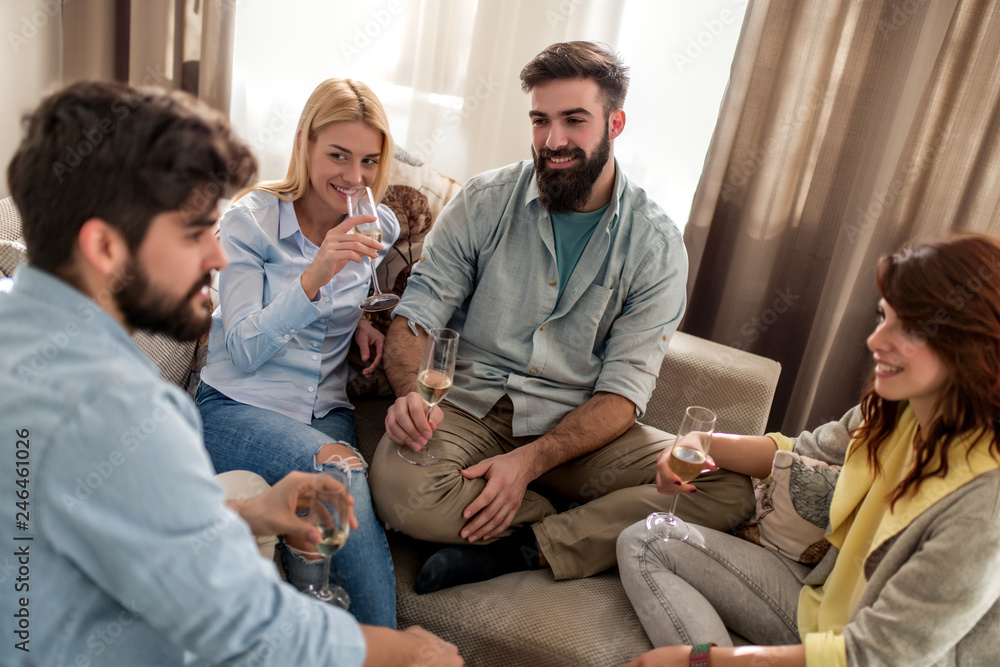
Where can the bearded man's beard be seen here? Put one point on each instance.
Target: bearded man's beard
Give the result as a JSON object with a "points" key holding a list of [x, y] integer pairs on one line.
{"points": [[145, 307], [567, 190]]}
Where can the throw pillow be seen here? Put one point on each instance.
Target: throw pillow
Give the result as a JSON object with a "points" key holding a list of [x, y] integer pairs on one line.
{"points": [[793, 509], [417, 193]]}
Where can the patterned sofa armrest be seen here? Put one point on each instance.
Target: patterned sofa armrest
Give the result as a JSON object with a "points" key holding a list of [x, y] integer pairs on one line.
{"points": [[737, 385], [10, 220]]}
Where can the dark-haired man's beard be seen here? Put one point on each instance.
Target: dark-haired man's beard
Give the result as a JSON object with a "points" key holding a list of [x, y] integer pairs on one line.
{"points": [[145, 307], [567, 190]]}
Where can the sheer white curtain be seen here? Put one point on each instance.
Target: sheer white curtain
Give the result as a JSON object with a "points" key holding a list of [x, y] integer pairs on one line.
{"points": [[447, 72]]}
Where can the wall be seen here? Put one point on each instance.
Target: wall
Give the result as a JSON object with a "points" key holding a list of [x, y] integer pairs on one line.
{"points": [[30, 58]]}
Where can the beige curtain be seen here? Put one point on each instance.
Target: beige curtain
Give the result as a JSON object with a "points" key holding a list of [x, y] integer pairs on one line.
{"points": [[848, 129], [185, 44]]}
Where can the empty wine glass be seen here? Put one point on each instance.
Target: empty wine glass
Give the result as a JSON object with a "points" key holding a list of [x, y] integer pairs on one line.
{"points": [[361, 202], [437, 371], [330, 513], [687, 459]]}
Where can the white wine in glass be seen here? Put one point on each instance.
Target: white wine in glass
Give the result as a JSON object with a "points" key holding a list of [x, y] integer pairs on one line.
{"points": [[434, 379], [687, 460], [361, 202], [329, 512]]}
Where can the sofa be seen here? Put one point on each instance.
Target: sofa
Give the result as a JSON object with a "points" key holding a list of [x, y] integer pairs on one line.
{"points": [[524, 618]]}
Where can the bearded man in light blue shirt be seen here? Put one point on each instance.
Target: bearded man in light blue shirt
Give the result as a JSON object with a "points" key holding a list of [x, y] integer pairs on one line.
{"points": [[565, 282], [129, 555]]}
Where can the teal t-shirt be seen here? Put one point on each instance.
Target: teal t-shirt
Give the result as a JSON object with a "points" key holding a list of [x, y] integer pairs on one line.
{"points": [[572, 232]]}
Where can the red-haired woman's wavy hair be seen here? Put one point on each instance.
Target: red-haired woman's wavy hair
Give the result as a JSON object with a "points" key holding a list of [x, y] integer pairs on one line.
{"points": [[948, 292]]}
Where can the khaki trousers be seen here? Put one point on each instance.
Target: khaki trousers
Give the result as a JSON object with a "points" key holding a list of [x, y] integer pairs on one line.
{"points": [[609, 490]]}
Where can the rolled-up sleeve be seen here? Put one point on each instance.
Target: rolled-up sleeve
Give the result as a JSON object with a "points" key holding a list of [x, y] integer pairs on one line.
{"points": [[641, 333]]}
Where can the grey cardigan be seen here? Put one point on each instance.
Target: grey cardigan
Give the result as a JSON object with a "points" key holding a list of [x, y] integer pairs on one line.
{"points": [[933, 591]]}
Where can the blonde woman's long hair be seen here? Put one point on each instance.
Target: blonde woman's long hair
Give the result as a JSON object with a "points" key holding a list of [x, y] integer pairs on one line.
{"points": [[333, 100]]}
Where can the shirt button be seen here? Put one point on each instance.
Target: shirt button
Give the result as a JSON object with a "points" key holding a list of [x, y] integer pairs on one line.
{"points": [[291, 331], [312, 389], [315, 357], [552, 283], [287, 337], [666, 338], [534, 371], [327, 299], [541, 328], [422, 258], [322, 320], [314, 344]]}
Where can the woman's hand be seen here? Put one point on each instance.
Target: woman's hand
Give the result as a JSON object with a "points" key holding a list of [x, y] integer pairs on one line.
{"points": [[667, 482], [368, 338], [665, 656], [338, 248]]}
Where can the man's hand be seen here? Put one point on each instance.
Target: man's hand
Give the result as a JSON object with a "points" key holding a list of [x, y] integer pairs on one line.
{"points": [[407, 422], [507, 478], [273, 512], [367, 338], [413, 647]]}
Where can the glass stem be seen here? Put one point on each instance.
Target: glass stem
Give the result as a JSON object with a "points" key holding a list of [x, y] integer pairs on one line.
{"points": [[673, 506], [371, 265], [326, 573]]}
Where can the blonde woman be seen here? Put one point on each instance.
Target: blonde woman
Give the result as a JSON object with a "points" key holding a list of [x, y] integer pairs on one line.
{"points": [[273, 391]]}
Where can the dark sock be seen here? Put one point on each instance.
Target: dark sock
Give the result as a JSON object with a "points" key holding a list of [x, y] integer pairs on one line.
{"points": [[452, 566]]}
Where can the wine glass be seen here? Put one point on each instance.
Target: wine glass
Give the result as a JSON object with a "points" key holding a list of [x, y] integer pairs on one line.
{"points": [[687, 460], [361, 202], [330, 513], [437, 370]]}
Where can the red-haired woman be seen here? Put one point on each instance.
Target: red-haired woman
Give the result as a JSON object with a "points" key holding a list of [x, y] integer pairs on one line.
{"points": [[912, 577]]}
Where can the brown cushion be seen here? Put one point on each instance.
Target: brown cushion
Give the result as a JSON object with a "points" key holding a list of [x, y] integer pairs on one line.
{"points": [[417, 193]]}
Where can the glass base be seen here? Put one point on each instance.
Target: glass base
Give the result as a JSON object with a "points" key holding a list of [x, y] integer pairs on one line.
{"points": [[334, 595], [424, 457], [667, 526], [378, 302]]}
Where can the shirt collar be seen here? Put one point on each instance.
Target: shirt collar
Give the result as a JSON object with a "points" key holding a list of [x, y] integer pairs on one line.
{"points": [[288, 222]]}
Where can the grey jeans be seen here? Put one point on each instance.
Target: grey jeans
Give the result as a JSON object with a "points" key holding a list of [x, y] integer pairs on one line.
{"points": [[689, 592]]}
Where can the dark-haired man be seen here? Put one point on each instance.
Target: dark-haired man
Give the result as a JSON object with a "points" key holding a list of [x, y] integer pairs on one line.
{"points": [[566, 283], [125, 551]]}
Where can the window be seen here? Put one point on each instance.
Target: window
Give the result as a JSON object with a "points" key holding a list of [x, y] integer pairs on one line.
{"points": [[446, 71]]}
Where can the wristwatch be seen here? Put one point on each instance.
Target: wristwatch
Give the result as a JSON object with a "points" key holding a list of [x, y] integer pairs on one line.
{"points": [[700, 656]]}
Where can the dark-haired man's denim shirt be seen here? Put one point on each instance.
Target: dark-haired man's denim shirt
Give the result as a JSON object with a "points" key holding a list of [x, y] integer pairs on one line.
{"points": [[126, 552], [489, 270]]}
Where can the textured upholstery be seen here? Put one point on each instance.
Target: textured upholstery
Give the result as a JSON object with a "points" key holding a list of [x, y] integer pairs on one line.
{"points": [[10, 221], [528, 619], [12, 253], [732, 383]]}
